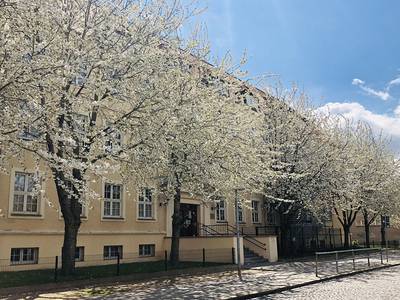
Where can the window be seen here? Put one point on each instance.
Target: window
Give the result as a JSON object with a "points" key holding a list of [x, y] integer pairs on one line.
{"points": [[112, 200], [385, 221], [112, 252], [250, 100], [24, 199], [255, 211], [79, 253], [114, 140], [80, 123], [24, 256], [220, 211], [240, 212], [145, 204], [147, 250]]}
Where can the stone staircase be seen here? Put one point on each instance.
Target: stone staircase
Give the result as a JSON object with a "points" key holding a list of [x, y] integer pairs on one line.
{"points": [[252, 259]]}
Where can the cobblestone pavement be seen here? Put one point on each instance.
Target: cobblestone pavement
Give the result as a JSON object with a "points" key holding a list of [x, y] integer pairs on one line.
{"points": [[382, 284], [222, 285]]}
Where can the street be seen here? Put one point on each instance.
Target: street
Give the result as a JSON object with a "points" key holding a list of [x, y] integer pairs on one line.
{"points": [[384, 284]]}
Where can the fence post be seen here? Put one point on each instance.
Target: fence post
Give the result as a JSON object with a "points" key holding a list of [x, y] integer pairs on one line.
{"points": [[387, 255], [56, 269], [233, 255], [369, 264], [204, 257], [118, 261], [354, 259], [381, 256], [316, 264], [166, 260], [337, 263]]}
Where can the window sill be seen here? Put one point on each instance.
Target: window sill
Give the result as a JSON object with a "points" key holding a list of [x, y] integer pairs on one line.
{"points": [[146, 256], [146, 219], [222, 222], [113, 219], [23, 263], [25, 215]]}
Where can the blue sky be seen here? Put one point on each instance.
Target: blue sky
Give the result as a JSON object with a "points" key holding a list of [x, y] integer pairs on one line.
{"points": [[344, 54]]}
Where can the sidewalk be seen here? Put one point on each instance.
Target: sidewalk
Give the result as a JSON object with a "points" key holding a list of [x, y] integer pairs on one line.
{"points": [[220, 285]]}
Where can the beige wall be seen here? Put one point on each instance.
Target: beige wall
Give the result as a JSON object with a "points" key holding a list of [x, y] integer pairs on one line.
{"points": [[270, 244], [46, 230]]}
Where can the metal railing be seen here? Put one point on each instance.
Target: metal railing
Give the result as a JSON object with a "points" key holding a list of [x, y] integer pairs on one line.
{"points": [[352, 256], [228, 230]]}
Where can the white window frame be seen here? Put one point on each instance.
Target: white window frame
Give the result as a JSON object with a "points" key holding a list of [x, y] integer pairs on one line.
{"points": [[25, 193], [255, 211], [108, 255], [147, 250], [144, 201], [241, 213], [115, 143], [219, 209], [112, 201], [33, 251]]}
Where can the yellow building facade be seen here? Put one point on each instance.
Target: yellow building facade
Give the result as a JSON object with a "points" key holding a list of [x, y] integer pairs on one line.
{"points": [[136, 224]]}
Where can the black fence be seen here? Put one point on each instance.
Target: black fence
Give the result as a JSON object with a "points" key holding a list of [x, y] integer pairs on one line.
{"points": [[298, 240], [48, 269]]}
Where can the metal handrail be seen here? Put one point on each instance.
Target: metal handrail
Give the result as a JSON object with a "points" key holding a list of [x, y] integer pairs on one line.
{"points": [[353, 256], [230, 230], [250, 239]]}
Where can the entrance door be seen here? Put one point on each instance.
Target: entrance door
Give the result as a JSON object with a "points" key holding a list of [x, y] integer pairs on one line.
{"points": [[189, 216]]}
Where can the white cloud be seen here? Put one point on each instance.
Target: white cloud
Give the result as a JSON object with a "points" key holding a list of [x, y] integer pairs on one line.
{"points": [[395, 81], [384, 95], [389, 125], [397, 111], [357, 81]]}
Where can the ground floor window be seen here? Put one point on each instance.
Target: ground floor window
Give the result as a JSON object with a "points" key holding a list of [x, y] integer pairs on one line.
{"points": [[24, 256], [147, 250], [112, 252], [255, 212], [79, 253]]}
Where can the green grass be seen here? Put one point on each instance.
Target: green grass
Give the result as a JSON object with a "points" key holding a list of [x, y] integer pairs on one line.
{"points": [[21, 278]]}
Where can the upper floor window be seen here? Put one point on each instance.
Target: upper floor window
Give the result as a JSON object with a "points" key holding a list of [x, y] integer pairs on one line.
{"points": [[255, 211], [385, 221], [112, 200], [113, 140], [240, 212], [80, 123], [145, 204], [24, 256], [220, 211], [24, 199]]}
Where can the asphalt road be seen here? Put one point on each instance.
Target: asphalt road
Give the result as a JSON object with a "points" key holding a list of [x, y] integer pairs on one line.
{"points": [[383, 284]]}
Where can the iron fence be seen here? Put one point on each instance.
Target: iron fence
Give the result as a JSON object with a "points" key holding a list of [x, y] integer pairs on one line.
{"points": [[47, 269]]}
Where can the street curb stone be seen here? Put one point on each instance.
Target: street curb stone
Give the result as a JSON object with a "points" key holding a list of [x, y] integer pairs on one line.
{"points": [[294, 286]]}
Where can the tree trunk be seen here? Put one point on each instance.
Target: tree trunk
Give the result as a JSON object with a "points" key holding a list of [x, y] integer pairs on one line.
{"points": [[346, 232], [176, 227], [69, 246], [71, 211], [366, 229]]}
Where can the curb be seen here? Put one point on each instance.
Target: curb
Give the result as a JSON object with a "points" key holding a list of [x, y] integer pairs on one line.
{"points": [[295, 286]]}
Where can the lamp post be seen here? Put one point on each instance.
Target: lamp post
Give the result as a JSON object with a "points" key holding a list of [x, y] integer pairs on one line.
{"points": [[237, 234]]}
